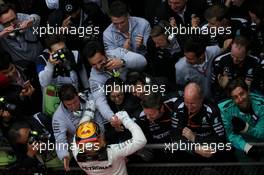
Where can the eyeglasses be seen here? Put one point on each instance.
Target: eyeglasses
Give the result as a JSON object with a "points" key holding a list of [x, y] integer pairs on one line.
{"points": [[10, 22]]}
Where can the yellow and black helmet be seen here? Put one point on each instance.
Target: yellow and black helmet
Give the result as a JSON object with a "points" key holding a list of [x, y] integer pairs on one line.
{"points": [[88, 131]]}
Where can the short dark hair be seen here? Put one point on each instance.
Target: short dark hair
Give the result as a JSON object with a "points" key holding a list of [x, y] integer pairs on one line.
{"points": [[133, 77], [118, 9], [4, 8], [219, 12], [53, 39], [91, 48], [233, 84], [67, 92], [13, 133], [159, 28], [5, 60], [196, 44], [152, 100], [243, 41], [114, 81]]}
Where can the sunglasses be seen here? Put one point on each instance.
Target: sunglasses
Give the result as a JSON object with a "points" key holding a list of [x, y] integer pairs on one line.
{"points": [[10, 22]]}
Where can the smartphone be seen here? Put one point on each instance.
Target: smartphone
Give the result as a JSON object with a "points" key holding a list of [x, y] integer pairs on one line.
{"points": [[26, 84]]}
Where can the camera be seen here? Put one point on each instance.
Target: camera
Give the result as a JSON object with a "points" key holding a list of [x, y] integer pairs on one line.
{"points": [[4, 105], [34, 136], [60, 54]]}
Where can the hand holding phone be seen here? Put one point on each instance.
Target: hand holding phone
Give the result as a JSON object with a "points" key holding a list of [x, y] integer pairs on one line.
{"points": [[28, 89], [26, 84]]}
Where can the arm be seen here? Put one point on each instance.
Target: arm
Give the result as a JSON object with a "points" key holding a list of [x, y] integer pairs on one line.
{"points": [[141, 46], [236, 139], [177, 127], [137, 141], [146, 34], [109, 43], [218, 136], [100, 100], [257, 130], [219, 79], [32, 20], [89, 111], [133, 60], [45, 76], [60, 134], [179, 74], [36, 19]]}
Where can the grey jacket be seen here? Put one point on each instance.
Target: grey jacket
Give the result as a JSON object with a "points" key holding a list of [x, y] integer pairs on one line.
{"points": [[186, 72], [97, 79], [24, 46], [46, 76], [65, 123], [137, 26]]}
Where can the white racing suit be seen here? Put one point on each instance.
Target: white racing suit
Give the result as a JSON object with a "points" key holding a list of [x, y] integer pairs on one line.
{"points": [[115, 164]]}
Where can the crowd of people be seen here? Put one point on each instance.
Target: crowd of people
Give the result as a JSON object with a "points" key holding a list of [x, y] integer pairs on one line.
{"points": [[88, 83]]}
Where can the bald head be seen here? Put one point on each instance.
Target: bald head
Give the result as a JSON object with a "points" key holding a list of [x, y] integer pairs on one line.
{"points": [[193, 89], [193, 97]]}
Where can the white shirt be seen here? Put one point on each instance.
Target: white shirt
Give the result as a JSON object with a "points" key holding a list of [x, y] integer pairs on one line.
{"points": [[116, 165]]}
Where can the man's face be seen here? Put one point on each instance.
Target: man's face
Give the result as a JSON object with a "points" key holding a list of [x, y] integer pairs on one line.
{"points": [[98, 61], [191, 57], [8, 19], [152, 114], [241, 98], [24, 133], [238, 53], [254, 18], [117, 96], [11, 72], [57, 46], [121, 23], [214, 23], [192, 102], [72, 105], [138, 90], [177, 5], [160, 41]]}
